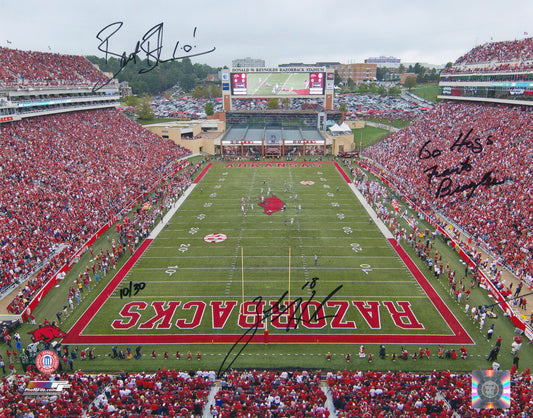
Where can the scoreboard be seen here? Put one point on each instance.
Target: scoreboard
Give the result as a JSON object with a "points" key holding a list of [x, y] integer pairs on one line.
{"points": [[239, 83], [265, 83], [278, 83], [316, 83]]}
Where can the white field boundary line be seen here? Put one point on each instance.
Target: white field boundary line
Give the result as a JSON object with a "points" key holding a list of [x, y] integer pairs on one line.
{"points": [[166, 282], [273, 297], [264, 268], [270, 246], [281, 237], [270, 256], [159, 227], [384, 230]]}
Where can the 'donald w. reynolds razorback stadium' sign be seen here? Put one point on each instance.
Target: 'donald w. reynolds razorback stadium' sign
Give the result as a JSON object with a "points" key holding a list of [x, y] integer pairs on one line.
{"points": [[277, 69]]}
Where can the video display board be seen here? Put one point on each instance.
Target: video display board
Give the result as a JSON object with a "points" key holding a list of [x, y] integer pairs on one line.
{"points": [[277, 83]]}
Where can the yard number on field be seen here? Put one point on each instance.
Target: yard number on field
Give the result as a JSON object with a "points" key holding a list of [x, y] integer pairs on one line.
{"points": [[184, 247], [366, 268], [356, 247], [171, 270]]}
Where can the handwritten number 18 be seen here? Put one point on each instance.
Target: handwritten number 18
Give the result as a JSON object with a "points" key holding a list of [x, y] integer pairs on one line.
{"points": [[311, 284]]}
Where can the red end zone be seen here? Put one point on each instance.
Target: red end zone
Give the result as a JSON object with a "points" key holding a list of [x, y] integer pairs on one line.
{"points": [[459, 336]]}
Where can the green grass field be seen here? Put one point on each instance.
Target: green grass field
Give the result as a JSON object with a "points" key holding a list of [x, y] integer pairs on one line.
{"points": [[397, 123], [263, 253], [277, 84], [193, 292], [368, 135], [428, 92]]}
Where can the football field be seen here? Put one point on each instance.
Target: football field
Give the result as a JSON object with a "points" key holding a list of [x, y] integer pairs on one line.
{"points": [[262, 252], [261, 84]]}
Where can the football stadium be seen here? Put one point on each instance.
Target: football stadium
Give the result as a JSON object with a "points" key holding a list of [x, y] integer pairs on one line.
{"points": [[274, 277]]}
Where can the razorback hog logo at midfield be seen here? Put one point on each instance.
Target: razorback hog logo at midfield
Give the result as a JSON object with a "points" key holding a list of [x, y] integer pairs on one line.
{"points": [[271, 205], [47, 333]]}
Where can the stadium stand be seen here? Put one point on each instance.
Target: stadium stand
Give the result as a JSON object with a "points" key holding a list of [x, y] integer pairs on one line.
{"points": [[61, 170], [503, 229], [132, 233], [498, 52], [164, 393], [32, 68], [276, 394], [260, 394], [439, 394]]}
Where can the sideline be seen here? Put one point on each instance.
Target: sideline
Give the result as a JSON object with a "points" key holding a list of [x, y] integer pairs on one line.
{"points": [[460, 333], [519, 317], [379, 223], [168, 216]]}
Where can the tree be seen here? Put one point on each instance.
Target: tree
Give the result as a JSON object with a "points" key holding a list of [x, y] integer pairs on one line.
{"points": [[382, 91], [380, 73], [131, 100], [401, 69], [200, 92], [144, 110], [187, 66], [410, 82], [209, 109], [272, 103], [139, 86], [363, 88], [285, 102], [394, 91], [161, 78], [342, 108], [350, 85], [215, 90], [338, 79], [187, 82], [449, 65]]}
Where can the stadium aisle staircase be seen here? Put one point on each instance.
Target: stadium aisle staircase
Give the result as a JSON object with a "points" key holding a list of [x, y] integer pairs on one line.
{"points": [[329, 401], [211, 400]]}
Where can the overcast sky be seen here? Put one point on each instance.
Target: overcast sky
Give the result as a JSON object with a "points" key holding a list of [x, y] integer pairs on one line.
{"points": [[278, 31]]}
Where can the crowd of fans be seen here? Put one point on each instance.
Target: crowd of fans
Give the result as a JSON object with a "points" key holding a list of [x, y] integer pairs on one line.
{"points": [[439, 394], [131, 230], [505, 56], [259, 394], [270, 394], [494, 68], [504, 51], [31, 68], [164, 393], [458, 144], [64, 176]]}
